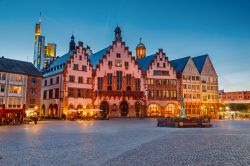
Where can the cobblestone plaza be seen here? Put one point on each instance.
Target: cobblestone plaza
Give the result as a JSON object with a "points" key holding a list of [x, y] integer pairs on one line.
{"points": [[124, 142]]}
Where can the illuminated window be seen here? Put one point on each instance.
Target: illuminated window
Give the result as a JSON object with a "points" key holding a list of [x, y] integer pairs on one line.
{"points": [[118, 63], [15, 89]]}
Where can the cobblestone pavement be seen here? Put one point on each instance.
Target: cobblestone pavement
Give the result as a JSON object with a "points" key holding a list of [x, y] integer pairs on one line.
{"points": [[124, 142]]}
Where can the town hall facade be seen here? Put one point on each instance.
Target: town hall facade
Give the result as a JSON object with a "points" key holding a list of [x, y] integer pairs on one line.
{"points": [[123, 85]]}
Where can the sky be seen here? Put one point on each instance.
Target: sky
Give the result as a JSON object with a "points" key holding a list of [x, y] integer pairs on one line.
{"points": [[220, 28]]}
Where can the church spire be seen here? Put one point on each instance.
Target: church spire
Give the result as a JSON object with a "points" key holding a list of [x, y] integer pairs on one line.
{"points": [[118, 35], [72, 44]]}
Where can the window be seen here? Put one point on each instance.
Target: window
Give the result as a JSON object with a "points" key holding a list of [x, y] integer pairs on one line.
{"points": [[71, 78], [44, 95], [126, 64], [57, 80], [84, 68], [70, 92], [158, 93], [33, 80], [45, 82], [89, 80], [57, 93], [137, 84], [1, 100], [119, 80], [164, 94], [15, 89], [50, 93], [160, 59], [51, 81], [2, 76], [158, 65], [99, 79], [161, 73], [80, 92], [75, 67], [2, 88], [110, 63], [80, 57], [88, 93], [109, 75], [152, 93], [164, 65], [128, 79], [118, 55], [118, 63], [80, 79], [32, 91]]}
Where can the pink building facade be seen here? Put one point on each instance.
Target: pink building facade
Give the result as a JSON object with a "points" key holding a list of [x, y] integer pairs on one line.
{"points": [[115, 82]]}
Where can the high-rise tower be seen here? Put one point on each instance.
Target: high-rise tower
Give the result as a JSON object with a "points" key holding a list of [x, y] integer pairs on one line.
{"points": [[43, 54]]}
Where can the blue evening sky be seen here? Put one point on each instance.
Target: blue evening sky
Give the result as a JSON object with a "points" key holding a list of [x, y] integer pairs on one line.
{"points": [[220, 28]]}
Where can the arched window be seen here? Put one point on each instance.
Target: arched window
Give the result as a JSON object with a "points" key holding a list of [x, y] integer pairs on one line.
{"points": [[154, 110], [170, 110]]}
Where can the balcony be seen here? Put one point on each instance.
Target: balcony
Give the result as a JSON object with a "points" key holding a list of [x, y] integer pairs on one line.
{"points": [[15, 94], [138, 94]]}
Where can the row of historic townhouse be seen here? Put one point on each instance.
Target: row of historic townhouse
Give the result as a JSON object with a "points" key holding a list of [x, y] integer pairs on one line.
{"points": [[198, 85], [20, 88], [124, 86]]}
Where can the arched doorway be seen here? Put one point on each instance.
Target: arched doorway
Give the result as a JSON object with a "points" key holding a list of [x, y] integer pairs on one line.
{"points": [[43, 110], [154, 110], [50, 110], [138, 108], [55, 112], [170, 110], [105, 107], [124, 108]]}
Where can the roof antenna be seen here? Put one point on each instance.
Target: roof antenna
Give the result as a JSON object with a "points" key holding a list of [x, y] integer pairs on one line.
{"points": [[40, 17]]}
